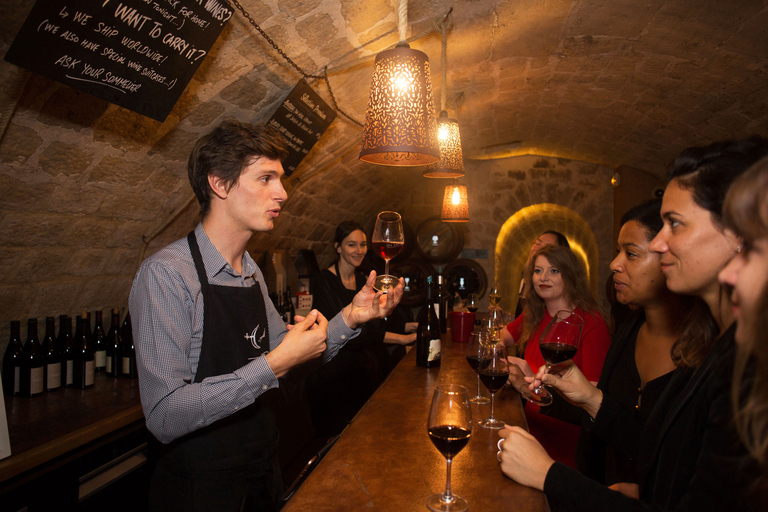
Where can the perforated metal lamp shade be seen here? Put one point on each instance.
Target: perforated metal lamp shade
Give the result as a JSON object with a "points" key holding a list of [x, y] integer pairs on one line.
{"points": [[451, 164], [455, 204], [400, 126]]}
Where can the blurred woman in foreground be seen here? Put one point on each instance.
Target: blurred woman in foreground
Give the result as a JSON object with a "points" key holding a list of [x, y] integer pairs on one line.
{"points": [[746, 213], [689, 454]]}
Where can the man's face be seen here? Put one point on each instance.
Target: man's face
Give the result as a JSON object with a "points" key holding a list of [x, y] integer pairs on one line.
{"points": [[254, 201]]}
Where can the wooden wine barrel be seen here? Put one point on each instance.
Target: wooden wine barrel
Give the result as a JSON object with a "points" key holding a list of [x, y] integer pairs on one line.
{"points": [[468, 272], [415, 273], [437, 241]]}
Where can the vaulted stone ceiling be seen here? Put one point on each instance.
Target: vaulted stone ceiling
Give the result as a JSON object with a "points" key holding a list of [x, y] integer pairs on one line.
{"points": [[607, 82]]}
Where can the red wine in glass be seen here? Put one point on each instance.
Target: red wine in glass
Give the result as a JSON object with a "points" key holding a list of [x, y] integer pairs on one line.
{"points": [[493, 371], [449, 439], [387, 250], [449, 428], [474, 349], [387, 240], [558, 343]]}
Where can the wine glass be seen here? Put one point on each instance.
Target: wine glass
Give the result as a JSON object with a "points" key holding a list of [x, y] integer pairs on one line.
{"points": [[473, 303], [474, 350], [387, 241], [493, 372], [449, 428], [558, 343], [494, 297]]}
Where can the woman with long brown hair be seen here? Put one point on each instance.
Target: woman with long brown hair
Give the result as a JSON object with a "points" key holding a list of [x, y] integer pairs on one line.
{"points": [[746, 213]]}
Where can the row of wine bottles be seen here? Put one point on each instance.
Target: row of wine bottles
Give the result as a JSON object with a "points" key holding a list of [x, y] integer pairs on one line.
{"points": [[67, 360]]}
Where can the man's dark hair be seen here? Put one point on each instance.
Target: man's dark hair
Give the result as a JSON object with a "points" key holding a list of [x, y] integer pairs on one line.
{"points": [[226, 151], [561, 240]]}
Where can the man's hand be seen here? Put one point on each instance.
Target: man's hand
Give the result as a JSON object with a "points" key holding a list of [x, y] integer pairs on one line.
{"points": [[572, 385], [304, 341], [518, 370], [522, 458], [369, 304]]}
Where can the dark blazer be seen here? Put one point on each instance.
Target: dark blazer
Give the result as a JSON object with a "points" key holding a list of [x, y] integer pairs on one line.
{"points": [[689, 454]]}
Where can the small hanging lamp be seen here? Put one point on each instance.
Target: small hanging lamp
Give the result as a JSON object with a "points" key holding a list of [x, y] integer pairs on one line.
{"points": [[451, 164], [400, 127], [455, 204]]}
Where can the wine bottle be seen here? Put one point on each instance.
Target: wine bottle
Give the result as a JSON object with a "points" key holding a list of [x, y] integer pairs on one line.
{"points": [[128, 353], [99, 344], [12, 361], [441, 303], [115, 346], [428, 333], [66, 351], [83, 363], [32, 374], [289, 307], [51, 357]]}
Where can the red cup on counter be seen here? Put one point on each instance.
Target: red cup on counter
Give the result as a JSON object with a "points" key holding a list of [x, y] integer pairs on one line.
{"points": [[461, 326]]}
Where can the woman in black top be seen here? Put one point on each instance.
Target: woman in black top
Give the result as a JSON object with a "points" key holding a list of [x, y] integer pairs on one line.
{"points": [[338, 389], [689, 454], [640, 361]]}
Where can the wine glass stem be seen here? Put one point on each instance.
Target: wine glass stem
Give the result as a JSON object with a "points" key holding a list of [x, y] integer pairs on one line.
{"points": [[448, 495], [478, 387], [492, 418], [386, 267], [541, 386]]}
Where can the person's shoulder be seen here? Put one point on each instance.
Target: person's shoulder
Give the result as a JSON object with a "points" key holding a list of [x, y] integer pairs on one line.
{"points": [[173, 259]]}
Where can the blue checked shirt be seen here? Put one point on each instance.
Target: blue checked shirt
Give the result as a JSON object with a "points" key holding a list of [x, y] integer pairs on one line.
{"points": [[166, 307]]}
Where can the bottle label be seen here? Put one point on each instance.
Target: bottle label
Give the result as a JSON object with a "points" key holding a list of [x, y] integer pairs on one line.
{"points": [[16, 380], [437, 309], [89, 367], [126, 365], [36, 381], [70, 369], [53, 375], [109, 364], [434, 349], [100, 358]]}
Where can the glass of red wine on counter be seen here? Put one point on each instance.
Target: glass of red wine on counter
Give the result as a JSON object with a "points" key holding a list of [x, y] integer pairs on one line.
{"points": [[474, 350], [493, 372], [558, 344], [449, 428], [387, 240]]}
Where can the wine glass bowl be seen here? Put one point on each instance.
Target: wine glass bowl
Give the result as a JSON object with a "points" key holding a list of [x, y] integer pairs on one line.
{"points": [[449, 428], [558, 343], [387, 241], [493, 371], [474, 350]]}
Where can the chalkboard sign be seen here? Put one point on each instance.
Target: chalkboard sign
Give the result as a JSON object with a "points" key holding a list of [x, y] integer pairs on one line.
{"points": [[139, 54], [302, 119]]}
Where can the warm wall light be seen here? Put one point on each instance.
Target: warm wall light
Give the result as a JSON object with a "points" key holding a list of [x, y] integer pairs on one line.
{"points": [[400, 127], [455, 204], [451, 164]]}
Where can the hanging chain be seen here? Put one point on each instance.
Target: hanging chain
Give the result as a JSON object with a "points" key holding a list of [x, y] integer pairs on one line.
{"points": [[323, 76]]}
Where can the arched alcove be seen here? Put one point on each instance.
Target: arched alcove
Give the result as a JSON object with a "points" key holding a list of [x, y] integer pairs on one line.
{"points": [[519, 232]]}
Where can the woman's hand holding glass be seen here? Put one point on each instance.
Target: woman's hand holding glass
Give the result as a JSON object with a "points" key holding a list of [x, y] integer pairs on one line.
{"points": [[571, 384]]}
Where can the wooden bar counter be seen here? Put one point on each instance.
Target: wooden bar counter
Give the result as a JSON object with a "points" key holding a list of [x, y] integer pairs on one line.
{"points": [[385, 461]]}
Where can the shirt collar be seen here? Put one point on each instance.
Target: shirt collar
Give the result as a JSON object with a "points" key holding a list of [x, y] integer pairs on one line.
{"points": [[214, 262]]}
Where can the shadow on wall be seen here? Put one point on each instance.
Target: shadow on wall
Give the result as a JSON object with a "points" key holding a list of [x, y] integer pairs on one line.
{"points": [[520, 231]]}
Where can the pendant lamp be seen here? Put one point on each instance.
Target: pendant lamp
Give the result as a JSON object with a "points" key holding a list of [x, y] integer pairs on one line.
{"points": [[451, 164], [455, 204], [400, 126]]}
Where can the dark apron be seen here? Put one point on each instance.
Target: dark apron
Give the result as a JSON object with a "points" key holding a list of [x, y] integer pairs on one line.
{"points": [[230, 465]]}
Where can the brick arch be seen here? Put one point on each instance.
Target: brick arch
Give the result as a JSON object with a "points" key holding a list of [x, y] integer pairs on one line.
{"points": [[519, 232]]}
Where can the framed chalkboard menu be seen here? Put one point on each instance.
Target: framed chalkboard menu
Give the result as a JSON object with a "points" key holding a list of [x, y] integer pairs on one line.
{"points": [[139, 54], [302, 118]]}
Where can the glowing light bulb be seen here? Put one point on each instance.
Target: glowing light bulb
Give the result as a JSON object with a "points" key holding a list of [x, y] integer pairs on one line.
{"points": [[443, 132], [456, 197]]}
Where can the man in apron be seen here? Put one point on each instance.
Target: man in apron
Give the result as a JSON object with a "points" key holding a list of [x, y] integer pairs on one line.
{"points": [[210, 347]]}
